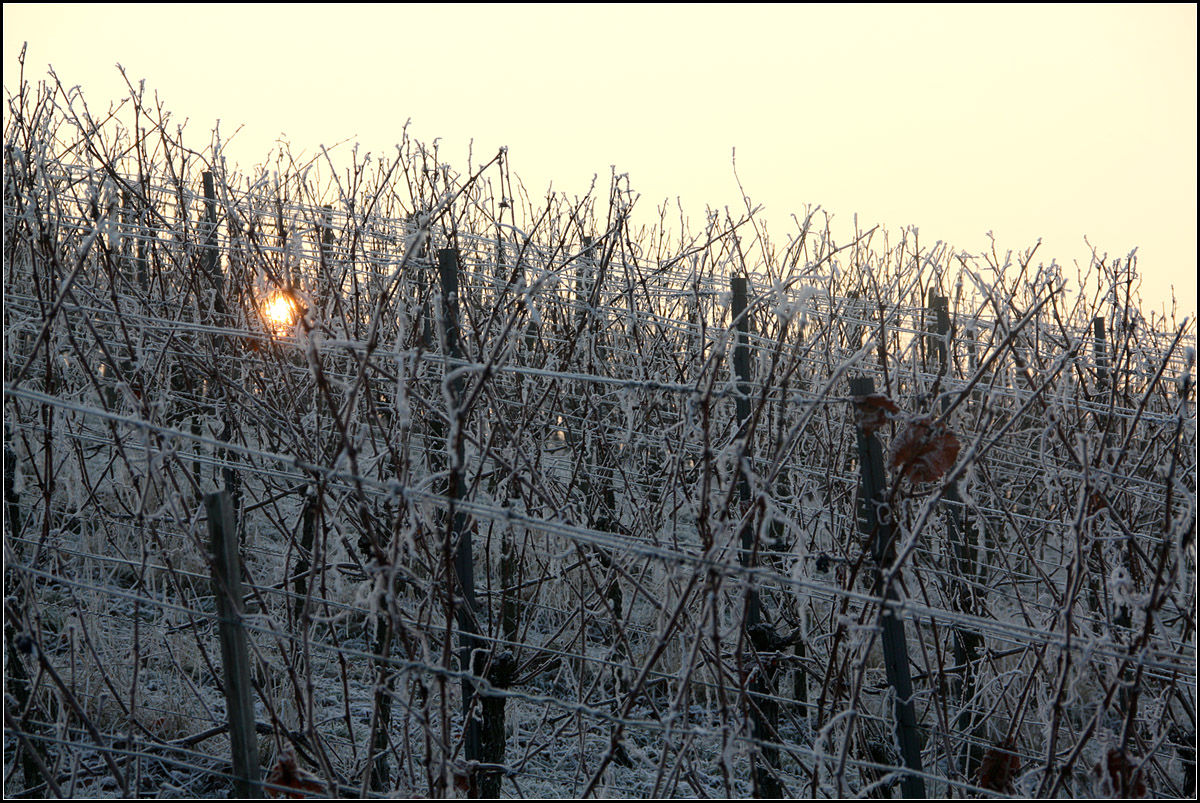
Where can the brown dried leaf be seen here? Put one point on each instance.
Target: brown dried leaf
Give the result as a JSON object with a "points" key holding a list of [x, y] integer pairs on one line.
{"points": [[1118, 776], [871, 412], [924, 451], [287, 773], [999, 767]]}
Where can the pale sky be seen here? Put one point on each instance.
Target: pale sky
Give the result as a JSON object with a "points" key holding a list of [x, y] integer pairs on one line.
{"points": [[1032, 121]]}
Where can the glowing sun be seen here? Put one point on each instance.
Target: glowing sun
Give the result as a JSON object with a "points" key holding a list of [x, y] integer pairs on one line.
{"points": [[280, 312]]}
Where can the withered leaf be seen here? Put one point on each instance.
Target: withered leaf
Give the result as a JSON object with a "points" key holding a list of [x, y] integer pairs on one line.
{"points": [[924, 451], [1118, 776], [287, 773], [871, 412], [999, 767]]}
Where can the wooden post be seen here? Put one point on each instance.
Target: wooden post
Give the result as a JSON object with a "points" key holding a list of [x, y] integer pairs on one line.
{"points": [[211, 264], [741, 370], [591, 439], [800, 675], [12, 500], [379, 775], [967, 643], [1100, 351], [208, 267], [209, 260], [586, 328], [16, 681], [130, 227], [460, 534], [940, 307], [504, 665], [326, 232], [585, 279], [308, 529], [235, 654], [764, 710], [1103, 378], [872, 493], [973, 362]]}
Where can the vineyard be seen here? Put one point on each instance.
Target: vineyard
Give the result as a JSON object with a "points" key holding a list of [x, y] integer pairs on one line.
{"points": [[392, 479]]}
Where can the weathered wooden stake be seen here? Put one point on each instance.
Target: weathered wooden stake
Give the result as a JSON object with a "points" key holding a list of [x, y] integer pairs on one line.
{"points": [[967, 643], [235, 653], [1100, 351], [16, 678], [872, 494], [308, 529], [211, 263], [12, 500], [210, 258], [764, 710], [327, 236], [471, 661], [940, 307], [741, 370]]}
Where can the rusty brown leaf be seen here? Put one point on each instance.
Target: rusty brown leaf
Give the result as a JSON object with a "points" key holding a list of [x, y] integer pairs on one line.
{"points": [[1118, 776], [287, 772], [999, 767], [871, 412], [924, 451]]}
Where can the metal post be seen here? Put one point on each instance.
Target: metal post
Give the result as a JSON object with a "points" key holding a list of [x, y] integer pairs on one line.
{"points": [[235, 654], [872, 494]]}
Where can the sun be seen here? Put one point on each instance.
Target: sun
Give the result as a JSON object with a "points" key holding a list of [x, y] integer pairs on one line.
{"points": [[280, 312]]}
